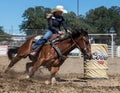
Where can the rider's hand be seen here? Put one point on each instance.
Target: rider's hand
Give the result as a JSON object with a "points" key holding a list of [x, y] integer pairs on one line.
{"points": [[69, 32], [61, 32]]}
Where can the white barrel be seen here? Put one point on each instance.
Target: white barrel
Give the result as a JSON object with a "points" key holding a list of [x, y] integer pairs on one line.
{"points": [[97, 67]]}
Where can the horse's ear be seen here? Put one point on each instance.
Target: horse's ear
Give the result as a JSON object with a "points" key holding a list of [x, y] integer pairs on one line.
{"points": [[81, 30], [86, 31]]}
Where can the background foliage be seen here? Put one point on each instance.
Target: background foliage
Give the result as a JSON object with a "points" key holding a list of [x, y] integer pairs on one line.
{"points": [[98, 20], [4, 36]]}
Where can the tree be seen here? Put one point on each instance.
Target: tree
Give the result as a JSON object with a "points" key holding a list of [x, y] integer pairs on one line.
{"points": [[76, 22], [1, 31], [34, 20], [3, 35], [114, 12], [103, 19], [100, 19]]}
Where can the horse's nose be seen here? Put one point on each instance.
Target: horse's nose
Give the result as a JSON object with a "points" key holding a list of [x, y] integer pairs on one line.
{"points": [[88, 57]]}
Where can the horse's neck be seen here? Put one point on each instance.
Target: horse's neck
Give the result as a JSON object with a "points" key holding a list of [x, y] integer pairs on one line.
{"points": [[67, 46]]}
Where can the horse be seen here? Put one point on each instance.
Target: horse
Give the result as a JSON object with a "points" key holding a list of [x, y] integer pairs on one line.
{"points": [[51, 59], [47, 56]]}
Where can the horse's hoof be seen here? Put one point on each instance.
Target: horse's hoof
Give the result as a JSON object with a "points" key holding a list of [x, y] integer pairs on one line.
{"points": [[27, 77], [53, 80], [47, 82]]}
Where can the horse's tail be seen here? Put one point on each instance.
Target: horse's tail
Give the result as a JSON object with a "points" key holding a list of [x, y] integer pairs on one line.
{"points": [[12, 52]]}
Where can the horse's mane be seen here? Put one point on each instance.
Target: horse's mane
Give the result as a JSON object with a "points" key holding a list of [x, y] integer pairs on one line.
{"points": [[78, 32], [75, 34]]}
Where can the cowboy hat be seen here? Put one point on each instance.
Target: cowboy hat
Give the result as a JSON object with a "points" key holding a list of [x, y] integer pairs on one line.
{"points": [[59, 8]]}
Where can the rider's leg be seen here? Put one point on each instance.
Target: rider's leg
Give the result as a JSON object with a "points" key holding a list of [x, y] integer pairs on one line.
{"points": [[39, 42], [46, 36]]}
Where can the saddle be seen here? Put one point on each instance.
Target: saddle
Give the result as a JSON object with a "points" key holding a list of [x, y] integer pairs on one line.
{"points": [[53, 37]]}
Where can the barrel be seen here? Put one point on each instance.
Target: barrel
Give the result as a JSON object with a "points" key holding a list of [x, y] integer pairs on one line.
{"points": [[97, 67]]}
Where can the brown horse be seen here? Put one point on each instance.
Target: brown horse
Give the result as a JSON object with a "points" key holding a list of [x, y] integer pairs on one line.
{"points": [[53, 60], [49, 57]]}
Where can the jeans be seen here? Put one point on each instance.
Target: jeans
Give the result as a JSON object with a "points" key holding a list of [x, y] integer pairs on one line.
{"points": [[45, 37]]}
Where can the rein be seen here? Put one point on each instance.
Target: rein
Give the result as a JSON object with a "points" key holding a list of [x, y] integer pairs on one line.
{"points": [[77, 44], [60, 54]]}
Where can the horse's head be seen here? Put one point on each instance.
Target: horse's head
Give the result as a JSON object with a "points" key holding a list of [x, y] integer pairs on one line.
{"points": [[81, 40]]}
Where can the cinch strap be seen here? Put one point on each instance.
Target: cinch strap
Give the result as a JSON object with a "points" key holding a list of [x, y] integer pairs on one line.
{"points": [[58, 52]]}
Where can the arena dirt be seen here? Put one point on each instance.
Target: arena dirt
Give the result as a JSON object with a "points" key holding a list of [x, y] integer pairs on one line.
{"points": [[69, 79]]}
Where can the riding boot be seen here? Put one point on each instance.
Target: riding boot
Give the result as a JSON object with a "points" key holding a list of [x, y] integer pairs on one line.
{"points": [[36, 45]]}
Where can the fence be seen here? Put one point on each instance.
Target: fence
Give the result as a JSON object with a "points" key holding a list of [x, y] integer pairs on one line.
{"points": [[13, 40], [115, 51], [18, 40]]}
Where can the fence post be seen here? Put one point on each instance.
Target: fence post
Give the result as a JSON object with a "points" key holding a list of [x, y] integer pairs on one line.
{"points": [[112, 46]]}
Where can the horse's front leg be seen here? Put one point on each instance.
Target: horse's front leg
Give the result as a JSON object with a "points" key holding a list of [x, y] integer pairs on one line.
{"points": [[53, 71], [12, 62], [35, 67]]}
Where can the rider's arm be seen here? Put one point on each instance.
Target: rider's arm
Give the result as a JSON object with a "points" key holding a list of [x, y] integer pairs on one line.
{"points": [[65, 26]]}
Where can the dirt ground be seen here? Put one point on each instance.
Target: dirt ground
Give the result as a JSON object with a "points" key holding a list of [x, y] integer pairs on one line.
{"points": [[70, 79]]}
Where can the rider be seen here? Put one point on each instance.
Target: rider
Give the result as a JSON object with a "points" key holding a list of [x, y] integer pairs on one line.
{"points": [[55, 21]]}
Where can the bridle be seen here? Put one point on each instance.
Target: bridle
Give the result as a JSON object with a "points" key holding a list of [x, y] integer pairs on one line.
{"points": [[84, 42], [84, 50]]}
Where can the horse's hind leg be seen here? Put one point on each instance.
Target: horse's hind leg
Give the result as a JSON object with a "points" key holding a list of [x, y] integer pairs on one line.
{"points": [[13, 61], [28, 65]]}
